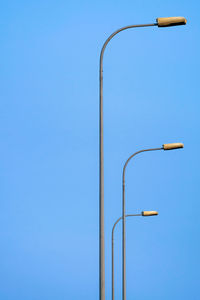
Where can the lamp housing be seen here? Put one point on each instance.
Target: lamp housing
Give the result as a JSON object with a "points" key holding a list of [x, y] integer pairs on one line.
{"points": [[173, 146], [149, 213], [172, 21]]}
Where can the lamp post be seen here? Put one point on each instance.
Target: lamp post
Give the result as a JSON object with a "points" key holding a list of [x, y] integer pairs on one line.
{"points": [[160, 22], [143, 214], [172, 146]]}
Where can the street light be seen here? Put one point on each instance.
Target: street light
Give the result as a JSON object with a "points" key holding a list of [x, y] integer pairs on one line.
{"points": [[172, 146], [160, 22], [143, 214]]}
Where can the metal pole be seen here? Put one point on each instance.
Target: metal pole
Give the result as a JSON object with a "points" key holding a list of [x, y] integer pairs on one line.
{"points": [[101, 166], [124, 223], [113, 229]]}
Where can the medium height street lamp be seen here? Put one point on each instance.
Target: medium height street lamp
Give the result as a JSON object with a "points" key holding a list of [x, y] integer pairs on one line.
{"points": [[164, 147], [160, 22]]}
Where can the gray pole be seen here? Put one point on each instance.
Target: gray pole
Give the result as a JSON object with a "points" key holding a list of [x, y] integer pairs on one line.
{"points": [[124, 223], [113, 229], [101, 167]]}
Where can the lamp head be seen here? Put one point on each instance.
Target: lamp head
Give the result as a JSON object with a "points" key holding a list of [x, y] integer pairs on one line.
{"points": [[172, 21], [173, 146], [149, 213]]}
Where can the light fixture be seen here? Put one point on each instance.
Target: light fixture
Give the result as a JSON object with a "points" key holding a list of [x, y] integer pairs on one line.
{"points": [[149, 213], [172, 21], [173, 146]]}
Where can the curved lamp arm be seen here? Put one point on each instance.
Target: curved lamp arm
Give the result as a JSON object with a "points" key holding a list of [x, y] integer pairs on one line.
{"points": [[119, 219]]}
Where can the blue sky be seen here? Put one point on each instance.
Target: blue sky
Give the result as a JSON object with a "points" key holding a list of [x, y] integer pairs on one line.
{"points": [[49, 148]]}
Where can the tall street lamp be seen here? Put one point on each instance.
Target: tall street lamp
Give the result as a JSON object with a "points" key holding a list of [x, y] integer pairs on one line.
{"points": [[164, 147], [143, 214], [160, 22]]}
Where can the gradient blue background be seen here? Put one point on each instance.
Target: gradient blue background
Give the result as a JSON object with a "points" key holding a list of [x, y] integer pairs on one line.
{"points": [[49, 148]]}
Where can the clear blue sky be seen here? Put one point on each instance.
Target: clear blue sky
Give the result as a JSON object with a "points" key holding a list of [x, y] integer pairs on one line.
{"points": [[49, 148]]}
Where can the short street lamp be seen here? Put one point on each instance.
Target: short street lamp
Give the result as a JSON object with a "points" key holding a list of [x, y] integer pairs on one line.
{"points": [[143, 214]]}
